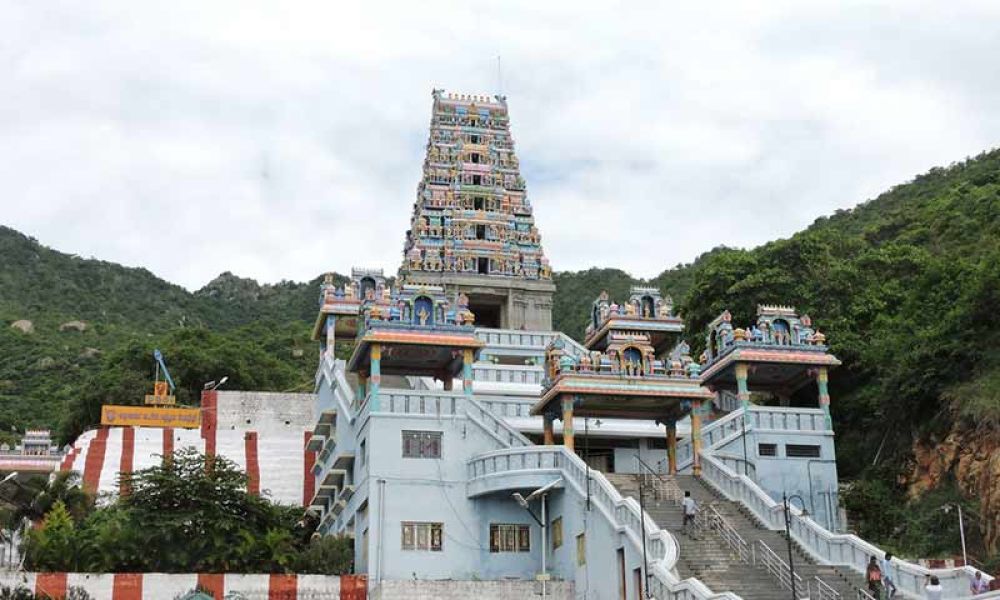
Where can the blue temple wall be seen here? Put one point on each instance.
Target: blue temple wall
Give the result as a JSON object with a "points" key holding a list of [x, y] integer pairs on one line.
{"points": [[435, 490], [813, 479]]}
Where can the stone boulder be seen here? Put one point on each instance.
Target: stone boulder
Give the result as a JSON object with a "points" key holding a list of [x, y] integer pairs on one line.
{"points": [[24, 326], [73, 326]]}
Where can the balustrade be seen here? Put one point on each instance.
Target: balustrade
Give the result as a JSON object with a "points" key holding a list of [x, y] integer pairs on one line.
{"points": [[825, 546], [508, 373], [622, 513]]}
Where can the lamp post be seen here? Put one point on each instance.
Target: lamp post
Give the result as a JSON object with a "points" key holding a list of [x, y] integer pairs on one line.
{"points": [[586, 454], [961, 528], [746, 459], [785, 499], [541, 493], [642, 530]]}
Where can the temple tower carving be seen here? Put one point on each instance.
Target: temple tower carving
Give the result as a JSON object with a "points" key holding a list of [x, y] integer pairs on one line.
{"points": [[472, 229]]}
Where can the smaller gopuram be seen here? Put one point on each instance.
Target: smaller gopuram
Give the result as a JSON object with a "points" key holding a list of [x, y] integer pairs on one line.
{"points": [[780, 354], [646, 311], [626, 373], [415, 332], [340, 307]]}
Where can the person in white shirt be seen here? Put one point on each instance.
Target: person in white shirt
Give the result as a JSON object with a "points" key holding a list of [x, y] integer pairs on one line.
{"points": [[933, 589], [690, 510], [978, 585], [888, 580]]}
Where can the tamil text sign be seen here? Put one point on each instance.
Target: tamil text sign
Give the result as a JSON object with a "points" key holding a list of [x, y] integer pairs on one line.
{"points": [[146, 416]]}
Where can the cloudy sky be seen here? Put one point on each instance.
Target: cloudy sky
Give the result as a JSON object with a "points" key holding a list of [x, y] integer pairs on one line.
{"points": [[279, 140]]}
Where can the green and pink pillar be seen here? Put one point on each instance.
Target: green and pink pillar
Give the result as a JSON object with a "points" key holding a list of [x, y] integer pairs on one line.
{"points": [[822, 379]]}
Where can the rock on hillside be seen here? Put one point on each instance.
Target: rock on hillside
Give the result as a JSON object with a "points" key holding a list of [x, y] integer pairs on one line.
{"points": [[73, 326], [24, 326], [973, 459]]}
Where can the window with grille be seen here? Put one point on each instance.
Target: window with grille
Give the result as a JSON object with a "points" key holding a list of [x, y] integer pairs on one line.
{"points": [[422, 536], [801, 451], [421, 444], [767, 450], [510, 537]]}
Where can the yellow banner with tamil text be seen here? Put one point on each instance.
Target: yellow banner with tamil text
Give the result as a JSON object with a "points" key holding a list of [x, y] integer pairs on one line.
{"points": [[145, 416]]}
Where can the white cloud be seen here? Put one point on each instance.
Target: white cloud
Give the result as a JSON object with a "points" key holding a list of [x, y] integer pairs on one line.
{"points": [[282, 140]]}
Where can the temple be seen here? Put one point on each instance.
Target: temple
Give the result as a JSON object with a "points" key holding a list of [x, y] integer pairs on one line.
{"points": [[472, 229], [454, 437]]}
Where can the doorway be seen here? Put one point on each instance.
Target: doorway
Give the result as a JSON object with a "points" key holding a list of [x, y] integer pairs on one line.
{"points": [[487, 310]]}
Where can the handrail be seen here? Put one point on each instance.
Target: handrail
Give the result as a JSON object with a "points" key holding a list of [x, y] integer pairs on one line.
{"points": [[622, 513], [661, 487], [485, 415], [715, 521], [779, 569], [823, 545], [824, 591]]}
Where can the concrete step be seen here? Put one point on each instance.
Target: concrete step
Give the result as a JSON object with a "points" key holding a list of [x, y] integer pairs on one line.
{"points": [[711, 560]]}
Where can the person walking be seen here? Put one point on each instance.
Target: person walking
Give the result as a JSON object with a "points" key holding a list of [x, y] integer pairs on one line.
{"points": [[873, 577], [888, 579], [978, 584], [933, 589], [690, 508]]}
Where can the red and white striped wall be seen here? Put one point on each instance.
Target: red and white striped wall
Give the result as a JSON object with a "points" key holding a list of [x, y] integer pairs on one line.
{"points": [[167, 586], [271, 450]]}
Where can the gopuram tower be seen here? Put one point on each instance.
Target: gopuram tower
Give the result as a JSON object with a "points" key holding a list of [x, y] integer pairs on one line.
{"points": [[472, 229]]}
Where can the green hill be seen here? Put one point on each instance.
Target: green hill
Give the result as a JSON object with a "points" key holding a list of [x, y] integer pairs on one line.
{"points": [[93, 325]]}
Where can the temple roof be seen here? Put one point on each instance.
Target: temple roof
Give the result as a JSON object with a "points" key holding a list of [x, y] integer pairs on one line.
{"points": [[419, 331], [624, 380], [645, 312], [780, 348]]}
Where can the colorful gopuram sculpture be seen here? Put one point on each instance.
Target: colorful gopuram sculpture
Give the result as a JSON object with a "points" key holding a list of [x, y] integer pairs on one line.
{"points": [[472, 228], [627, 372], [780, 353], [340, 307]]}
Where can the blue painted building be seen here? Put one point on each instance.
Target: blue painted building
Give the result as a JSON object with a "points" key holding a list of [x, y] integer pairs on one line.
{"points": [[458, 402]]}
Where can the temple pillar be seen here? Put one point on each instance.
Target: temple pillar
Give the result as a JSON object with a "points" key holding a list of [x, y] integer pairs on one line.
{"points": [[567, 408], [548, 429], [696, 437], [672, 447], [376, 375], [330, 337], [743, 392], [822, 378], [362, 388], [467, 371]]}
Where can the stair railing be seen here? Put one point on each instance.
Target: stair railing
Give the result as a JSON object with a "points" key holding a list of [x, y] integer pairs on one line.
{"points": [[773, 564], [824, 591], [864, 595], [712, 520], [660, 486]]}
